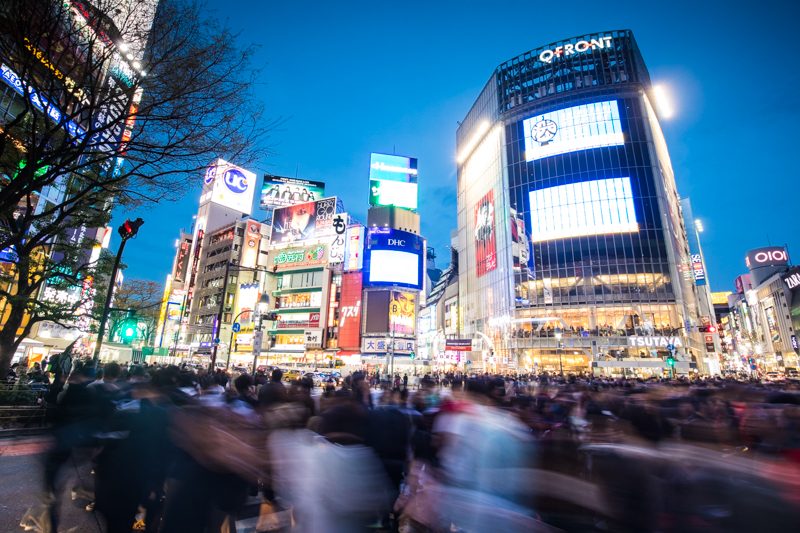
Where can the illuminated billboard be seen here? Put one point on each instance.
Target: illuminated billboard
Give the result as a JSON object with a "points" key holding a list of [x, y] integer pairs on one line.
{"points": [[587, 208], [766, 256], [573, 128], [291, 258], [395, 258], [350, 311], [354, 248], [393, 181], [402, 313], [278, 191], [230, 186], [301, 222], [485, 235]]}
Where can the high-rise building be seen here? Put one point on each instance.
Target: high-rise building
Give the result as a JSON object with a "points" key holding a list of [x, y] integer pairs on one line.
{"points": [[572, 249]]}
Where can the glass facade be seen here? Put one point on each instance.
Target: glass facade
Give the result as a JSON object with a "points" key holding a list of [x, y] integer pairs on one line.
{"points": [[591, 248]]}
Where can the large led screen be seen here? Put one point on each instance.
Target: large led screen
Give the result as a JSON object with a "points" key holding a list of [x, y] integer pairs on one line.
{"points": [[301, 222], [393, 180], [574, 128], [395, 267], [587, 208]]}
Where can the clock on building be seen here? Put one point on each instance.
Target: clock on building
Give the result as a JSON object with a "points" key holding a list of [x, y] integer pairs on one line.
{"points": [[544, 131]]}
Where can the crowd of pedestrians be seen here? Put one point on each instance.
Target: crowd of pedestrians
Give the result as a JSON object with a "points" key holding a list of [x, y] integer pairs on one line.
{"points": [[184, 450]]}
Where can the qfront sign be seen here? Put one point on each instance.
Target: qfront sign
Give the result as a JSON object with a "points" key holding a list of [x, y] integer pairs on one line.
{"points": [[655, 342], [580, 47]]}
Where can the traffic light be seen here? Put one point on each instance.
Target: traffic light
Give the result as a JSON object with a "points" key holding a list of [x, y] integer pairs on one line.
{"points": [[130, 228], [412, 355], [708, 329], [271, 316], [671, 361], [129, 330]]}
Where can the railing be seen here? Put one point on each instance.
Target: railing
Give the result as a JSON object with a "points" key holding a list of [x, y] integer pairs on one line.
{"points": [[22, 407]]}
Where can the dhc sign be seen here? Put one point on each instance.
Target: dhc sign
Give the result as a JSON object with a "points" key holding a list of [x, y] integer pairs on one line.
{"points": [[547, 56], [655, 342]]}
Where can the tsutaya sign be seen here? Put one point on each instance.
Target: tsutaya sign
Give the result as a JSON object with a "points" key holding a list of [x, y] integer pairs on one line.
{"points": [[547, 56], [655, 342]]}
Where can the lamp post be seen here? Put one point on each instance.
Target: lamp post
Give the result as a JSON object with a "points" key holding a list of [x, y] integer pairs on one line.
{"points": [[560, 364]]}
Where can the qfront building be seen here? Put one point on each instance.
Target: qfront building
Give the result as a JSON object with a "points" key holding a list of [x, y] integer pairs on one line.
{"points": [[573, 255]]}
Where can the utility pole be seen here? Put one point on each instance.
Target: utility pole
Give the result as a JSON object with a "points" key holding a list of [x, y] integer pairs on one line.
{"points": [[128, 230]]}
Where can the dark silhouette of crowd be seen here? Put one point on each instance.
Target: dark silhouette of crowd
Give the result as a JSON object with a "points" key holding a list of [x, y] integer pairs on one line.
{"points": [[183, 450]]}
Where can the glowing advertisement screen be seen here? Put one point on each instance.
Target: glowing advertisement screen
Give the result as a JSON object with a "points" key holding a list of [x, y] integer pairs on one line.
{"points": [[394, 266], [588, 208], [571, 129], [393, 181], [394, 258]]}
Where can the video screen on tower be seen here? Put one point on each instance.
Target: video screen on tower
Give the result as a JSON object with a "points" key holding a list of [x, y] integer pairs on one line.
{"points": [[393, 181], [574, 128], [595, 207], [394, 258]]}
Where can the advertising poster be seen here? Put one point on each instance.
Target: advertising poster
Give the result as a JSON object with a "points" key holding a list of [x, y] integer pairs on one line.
{"points": [[350, 311], [278, 191], [402, 313], [251, 244], [485, 235], [300, 222], [354, 248]]}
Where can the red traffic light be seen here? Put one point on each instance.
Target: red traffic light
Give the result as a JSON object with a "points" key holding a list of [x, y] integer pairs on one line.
{"points": [[130, 228], [712, 329]]}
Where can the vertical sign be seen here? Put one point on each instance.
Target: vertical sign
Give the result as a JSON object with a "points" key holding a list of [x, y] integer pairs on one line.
{"points": [[485, 235]]}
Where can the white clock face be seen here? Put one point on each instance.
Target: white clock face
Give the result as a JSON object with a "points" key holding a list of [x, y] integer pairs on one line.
{"points": [[544, 131]]}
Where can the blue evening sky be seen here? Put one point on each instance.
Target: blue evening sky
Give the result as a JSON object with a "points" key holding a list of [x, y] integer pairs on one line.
{"points": [[352, 77]]}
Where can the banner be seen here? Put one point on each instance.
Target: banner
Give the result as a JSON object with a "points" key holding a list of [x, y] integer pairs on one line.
{"points": [[350, 311], [402, 313], [485, 235], [309, 256], [278, 191], [301, 222]]}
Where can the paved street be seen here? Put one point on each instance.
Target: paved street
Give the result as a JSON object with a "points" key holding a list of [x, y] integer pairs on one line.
{"points": [[21, 471]]}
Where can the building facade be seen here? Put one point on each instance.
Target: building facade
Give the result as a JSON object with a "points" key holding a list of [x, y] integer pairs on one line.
{"points": [[572, 249]]}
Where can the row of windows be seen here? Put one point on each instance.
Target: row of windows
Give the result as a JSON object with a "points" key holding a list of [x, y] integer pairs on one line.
{"points": [[299, 280]]}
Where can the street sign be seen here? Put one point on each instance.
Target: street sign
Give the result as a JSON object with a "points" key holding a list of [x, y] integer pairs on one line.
{"points": [[216, 341], [670, 347], [236, 327], [258, 336]]}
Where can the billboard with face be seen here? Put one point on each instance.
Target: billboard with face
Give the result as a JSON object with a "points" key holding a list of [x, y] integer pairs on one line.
{"points": [[485, 235], [402, 313], [301, 222], [279, 191]]}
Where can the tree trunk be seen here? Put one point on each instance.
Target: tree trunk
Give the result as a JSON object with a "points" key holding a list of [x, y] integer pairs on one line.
{"points": [[8, 338]]}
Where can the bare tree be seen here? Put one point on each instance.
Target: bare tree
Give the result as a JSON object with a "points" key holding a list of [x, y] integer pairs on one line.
{"points": [[101, 104], [142, 299]]}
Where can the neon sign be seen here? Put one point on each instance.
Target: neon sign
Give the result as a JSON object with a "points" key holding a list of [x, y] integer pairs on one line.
{"points": [[547, 56]]}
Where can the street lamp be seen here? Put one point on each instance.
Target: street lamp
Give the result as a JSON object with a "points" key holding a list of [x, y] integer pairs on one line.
{"points": [[560, 364]]}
